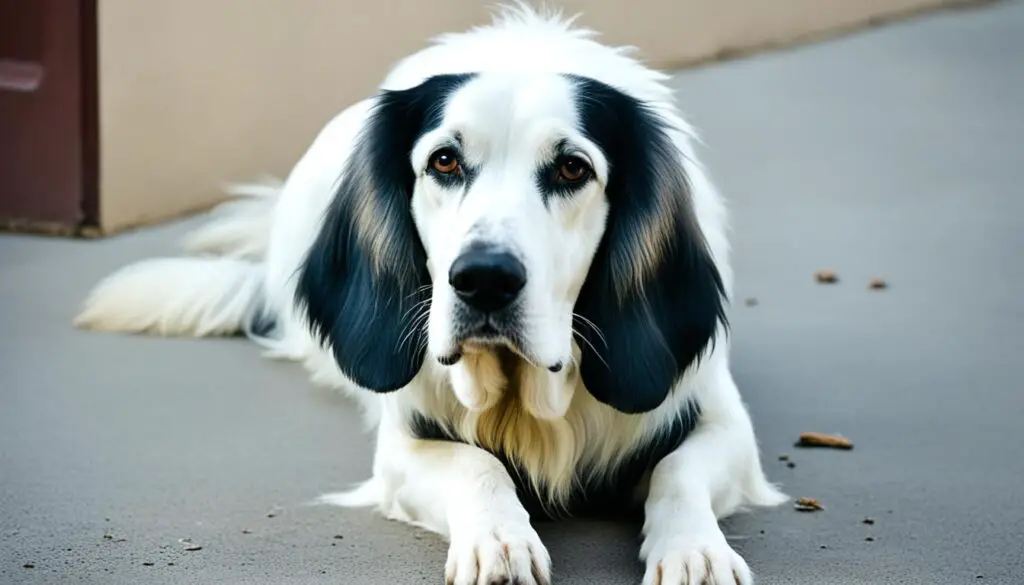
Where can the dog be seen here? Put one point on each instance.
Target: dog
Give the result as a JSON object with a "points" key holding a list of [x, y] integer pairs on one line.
{"points": [[512, 260]]}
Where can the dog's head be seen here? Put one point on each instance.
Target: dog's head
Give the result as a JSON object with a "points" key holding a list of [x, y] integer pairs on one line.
{"points": [[527, 211]]}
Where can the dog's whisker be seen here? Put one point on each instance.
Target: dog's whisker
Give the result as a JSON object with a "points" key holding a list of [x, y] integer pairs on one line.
{"points": [[413, 327], [591, 346], [416, 306], [420, 289], [593, 327]]}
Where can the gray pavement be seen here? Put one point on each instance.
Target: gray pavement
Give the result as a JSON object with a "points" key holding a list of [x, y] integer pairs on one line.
{"points": [[894, 152]]}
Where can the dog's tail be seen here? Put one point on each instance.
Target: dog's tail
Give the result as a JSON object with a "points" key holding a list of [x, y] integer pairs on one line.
{"points": [[177, 297], [241, 227], [220, 293]]}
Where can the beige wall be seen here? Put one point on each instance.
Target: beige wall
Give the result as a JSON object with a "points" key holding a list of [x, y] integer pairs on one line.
{"points": [[197, 92], [194, 93]]}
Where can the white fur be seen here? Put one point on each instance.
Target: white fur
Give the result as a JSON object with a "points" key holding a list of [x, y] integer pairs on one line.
{"points": [[175, 296], [458, 490], [244, 225]]}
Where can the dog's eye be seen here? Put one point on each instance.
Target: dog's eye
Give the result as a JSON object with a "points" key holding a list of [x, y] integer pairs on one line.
{"points": [[445, 161], [572, 169]]}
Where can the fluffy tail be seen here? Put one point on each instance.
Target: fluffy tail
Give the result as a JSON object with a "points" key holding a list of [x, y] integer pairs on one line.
{"points": [[177, 297], [218, 294], [242, 226]]}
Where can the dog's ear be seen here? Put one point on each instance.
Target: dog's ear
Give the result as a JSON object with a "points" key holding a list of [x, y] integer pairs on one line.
{"points": [[364, 284], [653, 299]]}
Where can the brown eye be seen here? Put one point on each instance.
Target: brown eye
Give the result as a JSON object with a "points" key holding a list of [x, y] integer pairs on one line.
{"points": [[445, 161], [572, 169]]}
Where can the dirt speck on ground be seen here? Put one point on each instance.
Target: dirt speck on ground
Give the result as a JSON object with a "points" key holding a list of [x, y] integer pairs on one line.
{"points": [[823, 440], [826, 276], [808, 505]]}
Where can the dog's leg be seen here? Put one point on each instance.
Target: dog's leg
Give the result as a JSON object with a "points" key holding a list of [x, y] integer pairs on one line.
{"points": [[465, 494], [715, 472]]}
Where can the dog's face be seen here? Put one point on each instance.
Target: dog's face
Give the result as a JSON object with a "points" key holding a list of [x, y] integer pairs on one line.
{"points": [[510, 207], [528, 211]]}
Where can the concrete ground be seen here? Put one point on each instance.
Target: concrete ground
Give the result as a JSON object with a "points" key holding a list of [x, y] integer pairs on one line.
{"points": [[893, 153]]}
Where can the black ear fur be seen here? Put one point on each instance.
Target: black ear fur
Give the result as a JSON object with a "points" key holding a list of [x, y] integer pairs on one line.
{"points": [[643, 335], [365, 279]]}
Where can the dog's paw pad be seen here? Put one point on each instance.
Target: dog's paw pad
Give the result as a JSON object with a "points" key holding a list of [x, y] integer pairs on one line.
{"points": [[501, 557]]}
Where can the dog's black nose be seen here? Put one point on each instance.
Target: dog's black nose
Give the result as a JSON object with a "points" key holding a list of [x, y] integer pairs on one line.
{"points": [[487, 280]]}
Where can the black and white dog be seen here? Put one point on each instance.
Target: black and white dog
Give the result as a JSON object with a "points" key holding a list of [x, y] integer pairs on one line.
{"points": [[512, 259]]}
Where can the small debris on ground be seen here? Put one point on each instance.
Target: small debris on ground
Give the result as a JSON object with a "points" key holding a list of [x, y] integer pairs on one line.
{"points": [[823, 440], [826, 277], [869, 521], [193, 548], [808, 505], [877, 284], [790, 464], [751, 302]]}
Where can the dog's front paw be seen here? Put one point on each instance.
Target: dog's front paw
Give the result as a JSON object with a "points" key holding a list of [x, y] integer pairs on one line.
{"points": [[696, 561], [504, 555]]}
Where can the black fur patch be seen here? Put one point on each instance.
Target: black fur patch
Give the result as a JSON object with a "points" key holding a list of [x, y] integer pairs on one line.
{"points": [[649, 338], [367, 316], [613, 496]]}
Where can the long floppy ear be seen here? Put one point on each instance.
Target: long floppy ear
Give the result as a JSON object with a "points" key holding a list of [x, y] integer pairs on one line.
{"points": [[364, 284], [653, 296]]}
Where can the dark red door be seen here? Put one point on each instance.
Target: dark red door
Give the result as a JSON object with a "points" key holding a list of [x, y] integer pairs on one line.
{"points": [[48, 150]]}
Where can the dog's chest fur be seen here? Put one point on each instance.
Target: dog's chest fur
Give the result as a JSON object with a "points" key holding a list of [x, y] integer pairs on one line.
{"points": [[590, 462]]}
